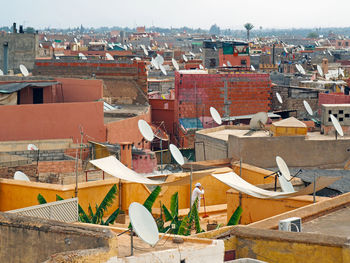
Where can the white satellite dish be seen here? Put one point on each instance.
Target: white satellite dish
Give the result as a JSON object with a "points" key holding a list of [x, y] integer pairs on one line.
{"points": [[82, 56], [279, 98], [143, 224], [252, 67], [137, 58], [149, 48], [308, 108], [76, 41], [125, 47], [285, 50], [185, 58], [224, 65], [45, 38], [282, 166], [177, 155], [192, 54], [215, 115], [145, 51], [53, 45], [41, 45], [257, 120], [32, 147], [201, 66], [1, 73], [160, 59], [200, 50], [302, 70], [329, 53], [337, 125], [109, 56], [229, 64], [176, 66], [161, 67], [21, 176], [24, 70], [154, 63], [146, 130], [319, 70], [286, 186], [215, 48]]}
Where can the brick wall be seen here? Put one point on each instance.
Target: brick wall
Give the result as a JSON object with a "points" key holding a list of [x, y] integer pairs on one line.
{"points": [[66, 166], [29, 170], [124, 83], [333, 98]]}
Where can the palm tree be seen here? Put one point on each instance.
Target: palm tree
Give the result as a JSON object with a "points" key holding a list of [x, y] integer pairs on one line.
{"points": [[248, 27]]}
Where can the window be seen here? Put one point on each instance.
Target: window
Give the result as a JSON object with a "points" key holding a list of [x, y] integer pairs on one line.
{"points": [[243, 62]]}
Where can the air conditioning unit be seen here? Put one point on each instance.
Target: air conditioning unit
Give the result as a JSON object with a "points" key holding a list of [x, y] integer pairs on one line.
{"points": [[292, 224]]}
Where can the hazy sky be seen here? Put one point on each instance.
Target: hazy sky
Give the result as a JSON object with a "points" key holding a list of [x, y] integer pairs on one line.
{"points": [[178, 13]]}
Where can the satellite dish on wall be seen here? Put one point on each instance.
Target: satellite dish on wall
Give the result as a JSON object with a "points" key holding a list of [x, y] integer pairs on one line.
{"points": [[166, 45], [160, 59], [45, 38], [258, 120], [53, 45], [143, 224], [1, 73], [177, 155], [20, 176], [302, 70], [145, 51], [252, 67], [184, 57], [229, 64], [82, 56], [41, 45], [192, 54], [24, 70], [176, 66], [319, 70], [146, 130], [201, 66], [200, 50], [224, 65], [154, 63], [336, 125], [308, 108], [215, 115], [161, 67], [76, 41], [329, 52], [109, 56], [149, 48], [282, 166], [32, 147], [279, 98]]}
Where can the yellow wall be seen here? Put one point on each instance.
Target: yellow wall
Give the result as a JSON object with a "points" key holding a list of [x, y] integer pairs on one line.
{"points": [[288, 131], [253, 175], [255, 209]]}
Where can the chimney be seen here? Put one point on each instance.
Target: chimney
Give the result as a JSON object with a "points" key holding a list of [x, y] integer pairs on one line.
{"points": [[21, 31], [324, 66], [14, 28], [126, 154]]}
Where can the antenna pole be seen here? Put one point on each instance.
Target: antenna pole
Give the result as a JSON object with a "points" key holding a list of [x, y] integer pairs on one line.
{"points": [[191, 187], [314, 194], [76, 173], [132, 242], [161, 156]]}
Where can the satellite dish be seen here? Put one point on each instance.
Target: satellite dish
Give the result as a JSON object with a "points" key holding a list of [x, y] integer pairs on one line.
{"points": [[45, 38], [143, 224], [146, 130], [286, 186], [176, 66], [32, 147], [21, 176], [285, 50], [24, 70], [76, 41], [279, 98], [215, 115], [185, 58], [252, 67], [166, 45], [1, 73], [161, 67], [53, 45], [229, 64], [319, 70], [149, 48], [201, 66], [329, 53], [302, 70], [200, 50], [224, 65], [145, 51], [308, 108], [337, 125], [160, 59], [192, 54], [82, 56], [282, 166], [125, 47], [215, 48], [154, 63], [109, 56], [258, 120], [177, 155], [41, 45]]}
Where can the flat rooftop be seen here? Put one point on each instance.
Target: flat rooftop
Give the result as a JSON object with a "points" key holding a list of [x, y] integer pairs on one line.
{"points": [[336, 224], [124, 112]]}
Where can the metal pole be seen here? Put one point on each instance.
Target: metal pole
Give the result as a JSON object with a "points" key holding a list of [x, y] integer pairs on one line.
{"points": [[314, 194], [76, 173], [191, 188], [131, 241], [240, 174], [161, 156], [120, 194]]}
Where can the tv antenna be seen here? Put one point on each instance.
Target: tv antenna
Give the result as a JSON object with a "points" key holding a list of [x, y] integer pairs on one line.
{"points": [[20, 176], [279, 98], [24, 70]]}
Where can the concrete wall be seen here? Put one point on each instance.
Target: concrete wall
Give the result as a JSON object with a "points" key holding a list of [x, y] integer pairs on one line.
{"points": [[124, 83], [80, 90], [126, 130], [52, 121], [28, 239], [163, 111], [22, 49], [209, 148], [295, 150]]}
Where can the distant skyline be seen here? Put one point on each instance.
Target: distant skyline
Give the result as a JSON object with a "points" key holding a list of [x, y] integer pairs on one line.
{"points": [[165, 13]]}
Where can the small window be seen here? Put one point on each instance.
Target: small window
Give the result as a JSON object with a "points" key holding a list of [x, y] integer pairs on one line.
{"points": [[329, 112], [341, 119], [335, 115], [347, 44], [243, 62], [329, 119], [347, 115], [341, 111]]}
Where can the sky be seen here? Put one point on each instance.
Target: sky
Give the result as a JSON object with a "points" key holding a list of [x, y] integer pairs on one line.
{"points": [[169, 13]]}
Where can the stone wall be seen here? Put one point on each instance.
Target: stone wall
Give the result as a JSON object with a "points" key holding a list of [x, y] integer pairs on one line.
{"points": [[29, 170], [29, 239]]}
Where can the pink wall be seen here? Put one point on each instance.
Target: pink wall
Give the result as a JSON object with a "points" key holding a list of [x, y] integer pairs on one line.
{"points": [[80, 90], [127, 130], [52, 121]]}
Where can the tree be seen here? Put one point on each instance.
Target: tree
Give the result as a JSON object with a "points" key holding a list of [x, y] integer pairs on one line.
{"points": [[312, 35], [214, 30], [248, 27]]}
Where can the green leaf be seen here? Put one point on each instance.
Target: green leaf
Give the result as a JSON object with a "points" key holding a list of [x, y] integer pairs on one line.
{"points": [[41, 199], [58, 198], [91, 213], [168, 216], [152, 198], [106, 202], [112, 217], [234, 220], [183, 229], [174, 205], [82, 215]]}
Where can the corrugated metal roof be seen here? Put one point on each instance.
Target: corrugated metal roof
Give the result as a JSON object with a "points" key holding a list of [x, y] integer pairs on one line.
{"points": [[191, 123], [13, 87]]}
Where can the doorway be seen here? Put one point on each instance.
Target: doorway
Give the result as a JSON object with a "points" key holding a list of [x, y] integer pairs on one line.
{"points": [[38, 96]]}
